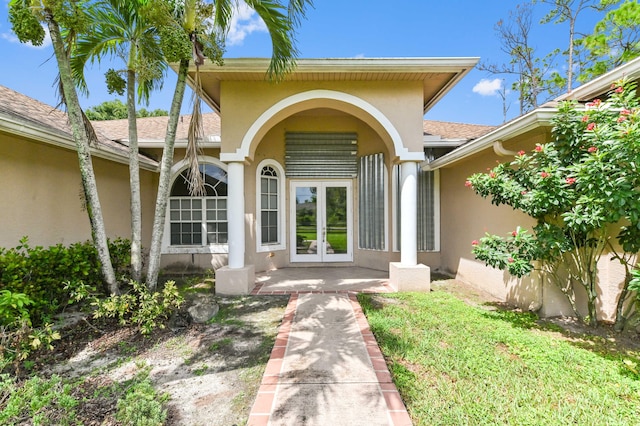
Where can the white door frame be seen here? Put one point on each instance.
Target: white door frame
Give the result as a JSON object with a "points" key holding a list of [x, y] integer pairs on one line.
{"points": [[320, 252]]}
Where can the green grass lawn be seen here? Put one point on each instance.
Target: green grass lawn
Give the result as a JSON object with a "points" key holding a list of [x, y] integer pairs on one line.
{"points": [[455, 364]]}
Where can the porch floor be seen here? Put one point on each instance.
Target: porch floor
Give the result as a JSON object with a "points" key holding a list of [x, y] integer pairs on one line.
{"points": [[322, 280]]}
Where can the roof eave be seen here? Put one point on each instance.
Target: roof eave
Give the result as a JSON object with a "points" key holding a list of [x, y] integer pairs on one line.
{"points": [[602, 84], [536, 118], [45, 136], [454, 81], [459, 66]]}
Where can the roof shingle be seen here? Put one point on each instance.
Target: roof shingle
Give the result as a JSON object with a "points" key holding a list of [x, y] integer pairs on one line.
{"points": [[450, 130], [29, 112]]}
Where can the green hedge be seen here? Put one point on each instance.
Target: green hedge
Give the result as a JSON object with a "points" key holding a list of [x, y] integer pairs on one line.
{"points": [[40, 272]]}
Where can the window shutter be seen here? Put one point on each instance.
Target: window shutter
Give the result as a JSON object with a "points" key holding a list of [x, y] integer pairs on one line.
{"points": [[321, 155]]}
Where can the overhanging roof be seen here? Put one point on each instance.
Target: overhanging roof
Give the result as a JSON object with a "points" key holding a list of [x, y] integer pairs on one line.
{"points": [[28, 118], [438, 75], [602, 84], [537, 118]]}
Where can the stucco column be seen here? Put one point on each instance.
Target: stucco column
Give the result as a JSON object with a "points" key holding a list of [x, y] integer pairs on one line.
{"points": [[408, 275], [236, 277], [409, 214], [235, 214]]}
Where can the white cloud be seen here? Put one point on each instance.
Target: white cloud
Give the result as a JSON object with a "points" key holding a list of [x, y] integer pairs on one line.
{"points": [[244, 22], [487, 87], [12, 38]]}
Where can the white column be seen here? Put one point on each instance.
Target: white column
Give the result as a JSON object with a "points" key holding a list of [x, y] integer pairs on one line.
{"points": [[235, 214], [409, 214]]}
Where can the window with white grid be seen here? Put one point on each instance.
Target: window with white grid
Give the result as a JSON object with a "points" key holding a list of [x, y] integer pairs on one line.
{"points": [[270, 228], [199, 220]]}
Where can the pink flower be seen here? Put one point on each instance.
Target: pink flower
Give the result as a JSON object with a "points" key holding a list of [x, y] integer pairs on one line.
{"points": [[570, 180], [510, 260], [619, 89], [621, 118], [523, 192], [595, 103], [585, 118], [544, 175], [514, 233], [492, 175], [539, 148], [468, 184], [625, 112], [521, 153], [592, 149], [475, 242], [591, 126]]}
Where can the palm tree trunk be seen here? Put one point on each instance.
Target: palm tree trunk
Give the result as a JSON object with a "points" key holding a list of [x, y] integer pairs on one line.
{"points": [[84, 155], [134, 178], [162, 197]]}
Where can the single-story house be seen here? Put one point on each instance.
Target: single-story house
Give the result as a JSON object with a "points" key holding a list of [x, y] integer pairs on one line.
{"points": [[322, 168], [334, 166]]}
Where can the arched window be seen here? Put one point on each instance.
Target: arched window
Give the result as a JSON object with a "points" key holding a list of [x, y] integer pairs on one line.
{"points": [[270, 220], [199, 220]]}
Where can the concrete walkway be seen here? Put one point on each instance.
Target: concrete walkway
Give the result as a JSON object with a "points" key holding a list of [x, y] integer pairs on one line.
{"points": [[323, 280], [326, 368]]}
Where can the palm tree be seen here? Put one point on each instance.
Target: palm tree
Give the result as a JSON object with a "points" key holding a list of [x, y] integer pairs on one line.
{"points": [[191, 19], [25, 17], [120, 29]]}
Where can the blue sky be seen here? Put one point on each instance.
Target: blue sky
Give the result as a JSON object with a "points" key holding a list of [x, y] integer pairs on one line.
{"points": [[338, 29]]}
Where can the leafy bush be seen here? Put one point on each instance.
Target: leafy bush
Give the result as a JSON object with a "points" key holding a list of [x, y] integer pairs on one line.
{"points": [[582, 190], [52, 401], [40, 273], [141, 406], [13, 307], [27, 402], [19, 339], [138, 307]]}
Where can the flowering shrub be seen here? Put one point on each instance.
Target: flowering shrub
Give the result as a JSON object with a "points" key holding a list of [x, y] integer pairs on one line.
{"points": [[583, 190]]}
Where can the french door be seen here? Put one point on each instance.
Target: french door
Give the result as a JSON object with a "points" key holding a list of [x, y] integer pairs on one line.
{"points": [[322, 219]]}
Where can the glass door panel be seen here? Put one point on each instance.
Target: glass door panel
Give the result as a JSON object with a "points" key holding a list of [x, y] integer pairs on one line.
{"points": [[336, 220], [322, 231], [306, 224]]}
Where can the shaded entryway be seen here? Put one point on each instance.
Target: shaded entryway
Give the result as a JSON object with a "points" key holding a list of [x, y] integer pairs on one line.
{"points": [[322, 280]]}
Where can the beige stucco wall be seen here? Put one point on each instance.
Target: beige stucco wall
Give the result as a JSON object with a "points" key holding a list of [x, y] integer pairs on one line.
{"points": [[467, 217], [42, 193], [243, 102]]}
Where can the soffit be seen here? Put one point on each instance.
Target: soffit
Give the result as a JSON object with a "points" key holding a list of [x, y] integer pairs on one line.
{"points": [[438, 75]]}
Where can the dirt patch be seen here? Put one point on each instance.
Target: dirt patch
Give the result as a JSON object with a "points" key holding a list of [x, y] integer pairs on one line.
{"points": [[211, 372]]}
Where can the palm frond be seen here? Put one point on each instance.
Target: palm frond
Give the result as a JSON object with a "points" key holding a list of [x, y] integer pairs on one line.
{"points": [[280, 27], [297, 10]]}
